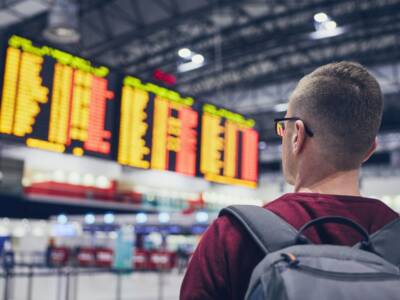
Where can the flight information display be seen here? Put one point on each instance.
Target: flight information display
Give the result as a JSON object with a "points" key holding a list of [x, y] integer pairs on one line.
{"points": [[158, 128], [229, 147], [55, 101]]}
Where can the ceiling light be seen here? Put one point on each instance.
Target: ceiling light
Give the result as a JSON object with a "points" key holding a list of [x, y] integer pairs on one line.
{"points": [[141, 218], [62, 219], [193, 60], [62, 24], [59, 176], [88, 180], [185, 53], [321, 17], [198, 59], [102, 182], [324, 33], [190, 66], [201, 217], [163, 217], [74, 178], [90, 219], [325, 27], [109, 218], [330, 25]]}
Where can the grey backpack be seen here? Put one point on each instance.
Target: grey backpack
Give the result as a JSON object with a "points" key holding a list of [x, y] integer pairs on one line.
{"points": [[294, 269]]}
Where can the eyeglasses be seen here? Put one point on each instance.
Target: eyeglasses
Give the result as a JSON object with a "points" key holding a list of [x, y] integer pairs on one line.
{"points": [[280, 126]]}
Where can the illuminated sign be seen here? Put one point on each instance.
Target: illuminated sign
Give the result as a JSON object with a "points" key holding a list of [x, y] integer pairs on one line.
{"points": [[55, 101], [229, 147], [158, 128]]}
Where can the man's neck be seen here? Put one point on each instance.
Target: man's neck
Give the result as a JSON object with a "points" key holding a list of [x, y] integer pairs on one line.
{"points": [[338, 183]]}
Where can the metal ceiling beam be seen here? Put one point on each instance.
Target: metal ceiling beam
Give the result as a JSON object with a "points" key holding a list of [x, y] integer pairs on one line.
{"points": [[238, 47], [373, 57], [121, 12], [283, 71], [232, 30], [94, 5], [286, 73], [26, 25], [274, 35], [208, 73], [287, 38], [145, 30]]}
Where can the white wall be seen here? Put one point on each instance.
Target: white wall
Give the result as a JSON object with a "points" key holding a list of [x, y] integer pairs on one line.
{"points": [[380, 186], [50, 161], [164, 180], [271, 186]]}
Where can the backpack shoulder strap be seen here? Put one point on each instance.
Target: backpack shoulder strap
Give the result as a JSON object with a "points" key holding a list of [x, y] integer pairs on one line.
{"points": [[386, 242], [268, 230]]}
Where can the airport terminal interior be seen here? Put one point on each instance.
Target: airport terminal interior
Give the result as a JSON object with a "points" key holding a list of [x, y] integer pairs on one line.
{"points": [[127, 125]]}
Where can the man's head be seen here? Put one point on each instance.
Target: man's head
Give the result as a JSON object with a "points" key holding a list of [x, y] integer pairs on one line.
{"points": [[342, 104]]}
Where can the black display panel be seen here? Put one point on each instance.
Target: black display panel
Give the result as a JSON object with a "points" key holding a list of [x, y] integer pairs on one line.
{"points": [[55, 101], [158, 128]]}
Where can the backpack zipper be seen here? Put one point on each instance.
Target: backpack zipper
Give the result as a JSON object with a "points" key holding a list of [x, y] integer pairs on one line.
{"points": [[347, 276]]}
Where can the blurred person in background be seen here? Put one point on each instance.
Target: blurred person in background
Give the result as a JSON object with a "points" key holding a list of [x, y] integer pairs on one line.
{"points": [[182, 255], [329, 130], [50, 247], [8, 256]]}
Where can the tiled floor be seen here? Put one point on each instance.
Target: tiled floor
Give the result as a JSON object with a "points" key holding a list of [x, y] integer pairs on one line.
{"points": [[136, 286]]}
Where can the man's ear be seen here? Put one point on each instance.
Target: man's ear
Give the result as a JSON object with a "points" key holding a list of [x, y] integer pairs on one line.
{"points": [[371, 150], [298, 137]]}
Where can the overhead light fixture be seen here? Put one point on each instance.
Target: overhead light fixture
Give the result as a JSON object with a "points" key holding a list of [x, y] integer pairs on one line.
{"points": [[185, 53], [201, 217], [191, 60], [109, 218], [198, 59], [62, 23], [321, 17], [90, 219], [141, 218], [190, 66], [62, 219], [163, 217], [330, 25], [325, 27]]}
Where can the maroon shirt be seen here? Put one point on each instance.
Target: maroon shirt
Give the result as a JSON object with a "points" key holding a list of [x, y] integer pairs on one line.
{"points": [[226, 256]]}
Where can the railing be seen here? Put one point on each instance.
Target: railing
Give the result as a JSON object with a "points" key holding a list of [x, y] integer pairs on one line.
{"points": [[36, 282]]}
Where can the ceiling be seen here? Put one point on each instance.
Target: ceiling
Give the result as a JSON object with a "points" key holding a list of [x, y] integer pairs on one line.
{"points": [[255, 50]]}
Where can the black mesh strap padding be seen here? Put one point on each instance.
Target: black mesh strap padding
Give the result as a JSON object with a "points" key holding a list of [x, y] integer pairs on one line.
{"points": [[268, 230]]}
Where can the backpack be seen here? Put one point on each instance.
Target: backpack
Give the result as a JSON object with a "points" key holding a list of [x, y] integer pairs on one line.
{"points": [[293, 268]]}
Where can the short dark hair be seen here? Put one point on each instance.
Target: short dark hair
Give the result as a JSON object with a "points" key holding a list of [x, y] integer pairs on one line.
{"points": [[343, 104]]}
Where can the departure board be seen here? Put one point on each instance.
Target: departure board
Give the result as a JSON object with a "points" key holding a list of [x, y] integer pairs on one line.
{"points": [[158, 128], [55, 101], [229, 147]]}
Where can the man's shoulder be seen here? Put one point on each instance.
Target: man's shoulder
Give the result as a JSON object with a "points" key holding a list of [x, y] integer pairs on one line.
{"points": [[298, 208], [226, 226], [229, 231]]}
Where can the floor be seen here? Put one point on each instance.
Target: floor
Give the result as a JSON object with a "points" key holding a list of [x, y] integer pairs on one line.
{"points": [[136, 286]]}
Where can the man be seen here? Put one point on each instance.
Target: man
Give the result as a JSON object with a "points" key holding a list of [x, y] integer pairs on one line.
{"points": [[329, 130]]}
